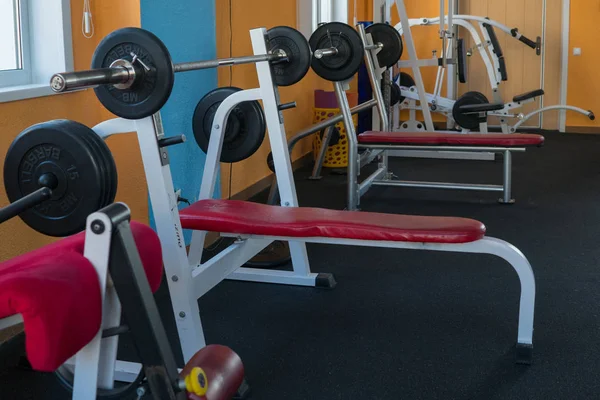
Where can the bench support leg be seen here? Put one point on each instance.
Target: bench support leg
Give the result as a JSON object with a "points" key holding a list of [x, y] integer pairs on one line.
{"points": [[507, 180], [316, 172], [502, 249]]}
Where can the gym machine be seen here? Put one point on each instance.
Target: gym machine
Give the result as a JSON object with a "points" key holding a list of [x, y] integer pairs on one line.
{"points": [[61, 179], [464, 111], [255, 226]]}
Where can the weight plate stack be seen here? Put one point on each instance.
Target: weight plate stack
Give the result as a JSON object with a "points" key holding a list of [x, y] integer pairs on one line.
{"points": [[62, 152], [391, 40], [153, 68], [245, 129], [296, 47], [350, 51]]}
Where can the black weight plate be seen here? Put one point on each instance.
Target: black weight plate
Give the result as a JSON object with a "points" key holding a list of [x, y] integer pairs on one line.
{"points": [[55, 147], [97, 154], [245, 130], [468, 121], [347, 61], [391, 40], [395, 94], [407, 81], [152, 89], [270, 162], [295, 45], [111, 176]]}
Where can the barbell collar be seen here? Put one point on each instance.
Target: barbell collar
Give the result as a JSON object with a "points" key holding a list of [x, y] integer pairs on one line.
{"points": [[68, 81], [320, 53]]}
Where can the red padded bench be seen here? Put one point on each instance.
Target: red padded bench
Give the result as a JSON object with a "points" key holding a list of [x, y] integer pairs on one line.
{"points": [[442, 141], [56, 291], [451, 139], [243, 217]]}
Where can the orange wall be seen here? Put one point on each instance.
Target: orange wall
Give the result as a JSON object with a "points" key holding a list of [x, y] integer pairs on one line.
{"points": [[584, 81], [248, 15], [15, 236]]}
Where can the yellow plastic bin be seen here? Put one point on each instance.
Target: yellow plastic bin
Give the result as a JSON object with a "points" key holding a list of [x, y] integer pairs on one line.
{"points": [[326, 106]]}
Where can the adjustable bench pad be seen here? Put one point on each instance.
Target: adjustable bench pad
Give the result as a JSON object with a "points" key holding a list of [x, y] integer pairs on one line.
{"points": [[246, 218], [450, 139], [56, 291]]}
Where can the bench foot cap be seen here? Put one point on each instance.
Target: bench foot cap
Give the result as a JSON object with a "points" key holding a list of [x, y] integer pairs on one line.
{"points": [[325, 281], [524, 354]]}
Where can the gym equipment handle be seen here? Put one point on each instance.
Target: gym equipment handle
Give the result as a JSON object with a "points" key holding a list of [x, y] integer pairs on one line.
{"points": [[287, 106], [68, 81], [170, 141], [528, 42], [25, 203]]}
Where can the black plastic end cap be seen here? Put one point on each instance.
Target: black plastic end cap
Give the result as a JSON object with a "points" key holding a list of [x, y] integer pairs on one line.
{"points": [[243, 391], [592, 116], [524, 354], [325, 281], [514, 32]]}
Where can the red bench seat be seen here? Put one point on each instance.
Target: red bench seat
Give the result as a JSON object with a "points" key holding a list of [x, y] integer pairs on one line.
{"points": [[450, 139], [246, 218], [56, 290]]}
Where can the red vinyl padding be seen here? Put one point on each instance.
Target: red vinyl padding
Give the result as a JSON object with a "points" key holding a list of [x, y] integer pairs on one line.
{"points": [[56, 291], [242, 217], [451, 139]]}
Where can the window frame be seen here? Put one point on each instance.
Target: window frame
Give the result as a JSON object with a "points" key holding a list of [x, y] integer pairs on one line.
{"points": [[47, 48]]}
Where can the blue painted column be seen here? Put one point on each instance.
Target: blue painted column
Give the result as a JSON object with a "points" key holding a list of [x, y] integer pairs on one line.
{"points": [[188, 29]]}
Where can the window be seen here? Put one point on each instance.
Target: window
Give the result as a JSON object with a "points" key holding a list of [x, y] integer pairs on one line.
{"points": [[35, 42], [312, 12]]}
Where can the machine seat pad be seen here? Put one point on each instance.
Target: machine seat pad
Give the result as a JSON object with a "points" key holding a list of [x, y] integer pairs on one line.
{"points": [[529, 95], [246, 218], [56, 291], [450, 139], [478, 108]]}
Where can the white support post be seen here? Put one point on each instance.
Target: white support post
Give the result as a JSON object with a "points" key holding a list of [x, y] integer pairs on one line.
{"points": [[89, 371], [168, 227], [409, 45], [279, 148], [564, 71]]}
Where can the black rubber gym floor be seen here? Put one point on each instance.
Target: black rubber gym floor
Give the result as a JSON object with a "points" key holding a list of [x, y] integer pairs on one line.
{"points": [[424, 325]]}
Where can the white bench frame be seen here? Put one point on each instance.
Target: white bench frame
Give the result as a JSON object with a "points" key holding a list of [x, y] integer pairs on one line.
{"points": [[189, 279]]}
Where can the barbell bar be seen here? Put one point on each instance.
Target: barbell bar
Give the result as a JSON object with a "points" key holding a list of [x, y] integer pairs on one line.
{"points": [[124, 72]]}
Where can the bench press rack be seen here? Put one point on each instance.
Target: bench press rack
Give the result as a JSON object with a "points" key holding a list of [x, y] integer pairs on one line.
{"points": [[255, 226]]}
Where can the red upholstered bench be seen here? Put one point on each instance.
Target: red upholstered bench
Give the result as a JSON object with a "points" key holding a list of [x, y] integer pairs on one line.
{"points": [[502, 143], [56, 291], [451, 139], [243, 217]]}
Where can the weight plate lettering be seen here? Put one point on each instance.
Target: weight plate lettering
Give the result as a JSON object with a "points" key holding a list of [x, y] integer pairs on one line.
{"points": [[350, 51], [153, 67], [245, 129], [295, 46], [391, 40]]}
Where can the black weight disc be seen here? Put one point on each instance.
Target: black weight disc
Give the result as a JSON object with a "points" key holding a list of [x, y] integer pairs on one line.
{"points": [[347, 61], [97, 154], [110, 176], [295, 45], [274, 255], [55, 148], [391, 40], [152, 87], [468, 121], [407, 81], [245, 129], [395, 94], [270, 162]]}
